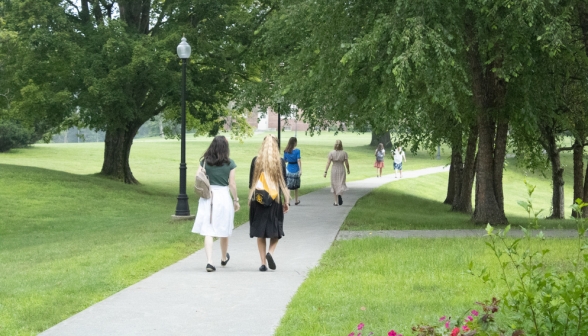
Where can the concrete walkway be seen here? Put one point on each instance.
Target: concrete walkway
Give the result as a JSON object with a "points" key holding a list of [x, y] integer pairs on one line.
{"points": [[183, 299]]}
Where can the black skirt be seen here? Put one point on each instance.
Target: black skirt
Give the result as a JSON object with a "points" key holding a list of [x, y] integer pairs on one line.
{"points": [[266, 222]]}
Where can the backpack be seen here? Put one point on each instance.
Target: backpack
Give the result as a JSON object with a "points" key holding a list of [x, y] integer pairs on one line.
{"points": [[379, 156], [264, 194], [202, 183]]}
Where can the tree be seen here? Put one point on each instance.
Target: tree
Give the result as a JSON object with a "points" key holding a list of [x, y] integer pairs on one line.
{"points": [[114, 62]]}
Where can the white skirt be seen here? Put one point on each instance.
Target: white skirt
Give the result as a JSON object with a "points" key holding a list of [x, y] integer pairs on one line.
{"points": [[220, 205]]}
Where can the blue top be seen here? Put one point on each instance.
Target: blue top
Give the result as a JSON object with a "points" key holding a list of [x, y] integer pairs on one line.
{"points": [[292, 159]]}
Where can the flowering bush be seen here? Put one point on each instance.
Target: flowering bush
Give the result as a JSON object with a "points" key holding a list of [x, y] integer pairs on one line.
{"points": [[475, 323]]}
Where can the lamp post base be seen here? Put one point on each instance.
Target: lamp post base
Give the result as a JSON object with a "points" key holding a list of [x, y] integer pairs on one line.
{"points": [[182, 218]]}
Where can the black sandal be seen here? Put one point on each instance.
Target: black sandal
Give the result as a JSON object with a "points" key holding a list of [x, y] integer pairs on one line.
{"points": [[297, 203], [335, 204]]}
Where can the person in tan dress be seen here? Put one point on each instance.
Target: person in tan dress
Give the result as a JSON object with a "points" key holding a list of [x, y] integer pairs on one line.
{"points": [[340, 161]]}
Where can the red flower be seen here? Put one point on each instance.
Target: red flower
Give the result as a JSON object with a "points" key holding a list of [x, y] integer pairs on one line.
{"points": [[392, 333], [360, 326], [455, 331]]}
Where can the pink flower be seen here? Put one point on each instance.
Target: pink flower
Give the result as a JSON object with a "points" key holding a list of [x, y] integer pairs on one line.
{"points": [[455, 331], [352, 334], [360, 326], [475, 312], [465, 328], [447, 325], [469, 318], [442, 318], [393, 333]]}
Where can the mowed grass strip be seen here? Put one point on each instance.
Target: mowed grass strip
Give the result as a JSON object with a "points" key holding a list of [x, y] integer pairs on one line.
{"points": [[416, 204], [70, 238], [395, 283]]}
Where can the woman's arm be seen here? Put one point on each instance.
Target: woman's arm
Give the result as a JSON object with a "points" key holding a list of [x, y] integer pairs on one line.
{"points": [[328, 164], [347, 165], [251, 171], [233, 189], [299, 167]]}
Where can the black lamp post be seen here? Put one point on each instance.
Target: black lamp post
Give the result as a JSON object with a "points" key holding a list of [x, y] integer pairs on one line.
{"points": [[182, 208]]}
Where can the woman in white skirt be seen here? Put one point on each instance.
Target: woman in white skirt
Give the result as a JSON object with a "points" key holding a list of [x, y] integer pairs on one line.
{"points": [[215, 216]]}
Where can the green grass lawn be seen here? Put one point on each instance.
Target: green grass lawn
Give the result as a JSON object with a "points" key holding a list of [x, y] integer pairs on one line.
{"points": [[415, 204], [70, 238], [395, 284]]}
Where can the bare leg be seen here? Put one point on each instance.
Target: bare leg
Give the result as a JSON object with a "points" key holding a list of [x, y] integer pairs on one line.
{"points": [[336, 198], [377, 172], [273, 244], [208, 248], [224, 243], [261, 244], [380, 172]]}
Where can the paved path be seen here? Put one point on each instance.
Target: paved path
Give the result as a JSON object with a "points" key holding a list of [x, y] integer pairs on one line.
{"points": [[183, 299]]}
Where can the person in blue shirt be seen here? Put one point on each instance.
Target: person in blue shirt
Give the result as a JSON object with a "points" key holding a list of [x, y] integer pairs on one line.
{"points": [[294, 168]]}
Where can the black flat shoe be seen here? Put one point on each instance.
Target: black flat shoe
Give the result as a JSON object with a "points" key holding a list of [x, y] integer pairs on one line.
{"points": [[224, 263], [262, 268], [340, 200], [335, 204], [297, 203], [210, 268], [270, 261]]}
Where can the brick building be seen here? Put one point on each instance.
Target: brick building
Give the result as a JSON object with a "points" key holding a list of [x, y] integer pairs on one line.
{"points": [[261, 121]]}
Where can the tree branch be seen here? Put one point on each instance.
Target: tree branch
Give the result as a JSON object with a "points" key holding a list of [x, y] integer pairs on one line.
{"points": [[73, 5]]}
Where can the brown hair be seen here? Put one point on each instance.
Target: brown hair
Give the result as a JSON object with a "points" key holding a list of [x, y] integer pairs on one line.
{"points": [[380, 146], [291, 144], [269, 162], [338, 145]]}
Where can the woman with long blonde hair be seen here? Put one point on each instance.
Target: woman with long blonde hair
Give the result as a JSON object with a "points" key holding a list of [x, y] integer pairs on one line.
{"points": [[268, 200]]}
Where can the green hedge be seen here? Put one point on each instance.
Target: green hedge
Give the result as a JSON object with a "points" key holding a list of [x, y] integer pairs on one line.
{"points": [[13, 135]]}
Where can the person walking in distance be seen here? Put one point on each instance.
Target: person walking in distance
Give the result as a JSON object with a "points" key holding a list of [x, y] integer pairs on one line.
{"points": [[268, 200], [399, 156], [215, 215], [379, 164], [340, 160], [294, 168]]}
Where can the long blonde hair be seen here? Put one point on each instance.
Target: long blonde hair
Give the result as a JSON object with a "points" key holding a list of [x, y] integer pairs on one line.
{"points": [[269, 162]]}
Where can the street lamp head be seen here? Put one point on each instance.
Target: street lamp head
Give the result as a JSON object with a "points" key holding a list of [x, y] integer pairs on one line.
{"points": [[184, 49]]}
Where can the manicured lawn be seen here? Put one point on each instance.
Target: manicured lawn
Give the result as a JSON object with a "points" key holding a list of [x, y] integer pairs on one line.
{"points": [[70, 238], [415, 204], [394, 284]]}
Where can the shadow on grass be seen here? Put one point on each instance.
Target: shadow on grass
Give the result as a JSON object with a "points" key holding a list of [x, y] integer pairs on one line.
{"points": [[389, 209]]}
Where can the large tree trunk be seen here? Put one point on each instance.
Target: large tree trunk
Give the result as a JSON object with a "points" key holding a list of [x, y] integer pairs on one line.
{"points": [[455, 171], [383, 138], [585, 191], [488, 95], [557, 198], [463, 200], [117, 150], [499, 157], [578, 155]]}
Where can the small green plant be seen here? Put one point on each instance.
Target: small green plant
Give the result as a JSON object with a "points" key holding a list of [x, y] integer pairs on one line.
{"points": [[539, 299]]}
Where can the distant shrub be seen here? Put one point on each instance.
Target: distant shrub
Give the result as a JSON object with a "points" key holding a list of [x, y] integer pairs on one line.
{"points": [[13, 135]]}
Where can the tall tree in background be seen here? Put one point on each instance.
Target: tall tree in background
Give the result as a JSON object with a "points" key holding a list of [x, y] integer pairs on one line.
{"points": [[113, 63]]}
